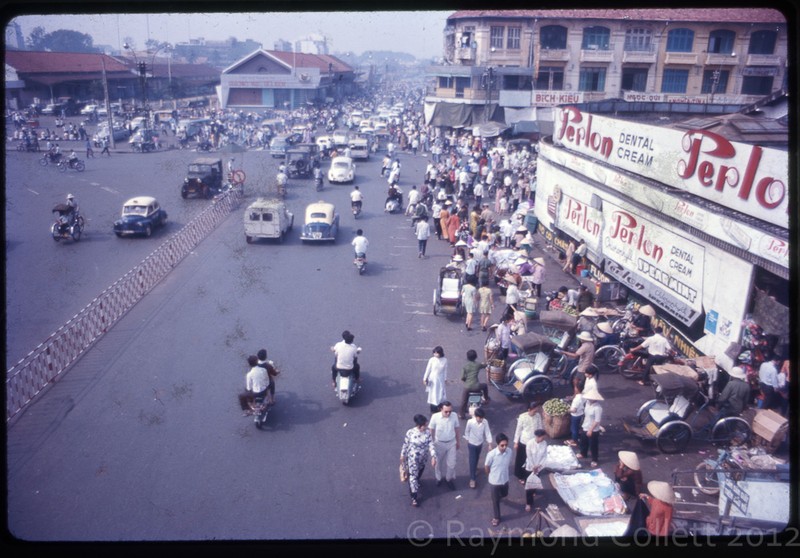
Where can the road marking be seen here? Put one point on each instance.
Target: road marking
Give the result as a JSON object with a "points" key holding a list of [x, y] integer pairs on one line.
{"points": [[107, 189], [418, 313], [33, 191]]}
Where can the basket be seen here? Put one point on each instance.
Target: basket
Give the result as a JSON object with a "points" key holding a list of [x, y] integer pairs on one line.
{"points": [[497, 373], [556, 426]]}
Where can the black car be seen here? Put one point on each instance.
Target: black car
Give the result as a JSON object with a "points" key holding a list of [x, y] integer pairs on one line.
{"points": [[203, 178]]}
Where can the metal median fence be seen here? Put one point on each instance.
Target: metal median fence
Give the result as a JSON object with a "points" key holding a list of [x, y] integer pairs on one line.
{"points": [[61, 349]]}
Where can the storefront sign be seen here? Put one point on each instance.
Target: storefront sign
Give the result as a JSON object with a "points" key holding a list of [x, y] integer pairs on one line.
{"points": [[704, 99], [742, 234], [663, 266], [747, 178], [553, 98]]}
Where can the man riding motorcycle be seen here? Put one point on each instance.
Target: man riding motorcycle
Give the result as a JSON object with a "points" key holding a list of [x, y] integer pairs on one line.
{"points": [[360, 244], [346, 358], [356, 198]]}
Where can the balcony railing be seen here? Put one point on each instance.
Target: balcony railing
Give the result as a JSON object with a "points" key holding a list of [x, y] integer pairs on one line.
{"points": [[465, 53], [764, 60], [597, 55], [721, 59], [681, 58]]}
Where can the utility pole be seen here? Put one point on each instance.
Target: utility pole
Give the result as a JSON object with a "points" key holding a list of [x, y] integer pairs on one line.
{"points": [[109, 114]]}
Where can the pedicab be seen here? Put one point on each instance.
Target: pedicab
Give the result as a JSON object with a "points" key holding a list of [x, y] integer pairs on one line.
{"points": [[525, 372], [447, 295], [673, 417]]}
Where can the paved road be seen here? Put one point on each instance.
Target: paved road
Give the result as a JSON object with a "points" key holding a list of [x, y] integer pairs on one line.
{"points": [[143, 438]]}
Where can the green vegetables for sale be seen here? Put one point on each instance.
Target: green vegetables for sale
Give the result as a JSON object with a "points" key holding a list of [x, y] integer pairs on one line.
{"points": [[556, 407]]}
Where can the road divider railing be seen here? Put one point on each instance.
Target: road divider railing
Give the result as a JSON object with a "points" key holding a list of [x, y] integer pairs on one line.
{"points": [[51, 358]]}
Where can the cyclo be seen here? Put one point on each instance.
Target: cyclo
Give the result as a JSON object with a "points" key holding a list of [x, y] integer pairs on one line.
{"points": [[673, 417], [532, 356], [69, 223]]}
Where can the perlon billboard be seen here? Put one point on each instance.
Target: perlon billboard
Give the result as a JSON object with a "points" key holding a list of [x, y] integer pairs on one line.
{"points": [[747, 178]]}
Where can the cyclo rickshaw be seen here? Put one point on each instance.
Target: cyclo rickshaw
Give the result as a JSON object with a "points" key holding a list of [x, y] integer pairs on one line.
{"points": [[68, 223], [532, 356], [447, 295], [672, 417]]}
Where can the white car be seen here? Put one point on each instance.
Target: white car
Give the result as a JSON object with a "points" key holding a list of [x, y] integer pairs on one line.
{"points": [[342, 170], [325, 142], [90, 109]]}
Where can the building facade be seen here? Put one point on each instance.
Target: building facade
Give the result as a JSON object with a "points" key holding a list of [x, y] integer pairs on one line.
{"points": [[522, 60], [279, 79]]}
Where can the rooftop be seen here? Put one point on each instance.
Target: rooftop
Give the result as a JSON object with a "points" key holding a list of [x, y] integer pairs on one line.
{"points": [[741, 15]]}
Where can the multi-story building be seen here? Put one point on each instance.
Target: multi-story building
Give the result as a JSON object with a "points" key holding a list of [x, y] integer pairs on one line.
{"points": [[524, 60]]}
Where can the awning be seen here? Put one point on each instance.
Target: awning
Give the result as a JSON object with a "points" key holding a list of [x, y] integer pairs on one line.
{"points": [[489, 129], [462, 115], [525, 127]]}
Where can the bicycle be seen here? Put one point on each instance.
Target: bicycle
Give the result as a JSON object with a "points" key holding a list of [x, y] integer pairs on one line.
{"points": [[709, 473]]}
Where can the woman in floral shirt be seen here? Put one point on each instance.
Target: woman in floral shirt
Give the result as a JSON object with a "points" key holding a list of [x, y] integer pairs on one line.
{"points": [[417, 447]]}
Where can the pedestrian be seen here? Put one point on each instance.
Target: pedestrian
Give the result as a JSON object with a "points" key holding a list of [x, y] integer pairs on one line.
{"points": [[537, 277], [590, 429], [470, 376], [485, 304], [734, 396], [578, 255], [469, 298], [568, 266], [584, 354], [423, 232], [417, 448], [453, 222], [435, 377], [585, 298], [476, 433], [444, 428], [576, 409], [628, 475], [512, 293], [105, 150], [503, 334], [527, 423], [89, 150], [496, 465], [444, 216], [436, 214], [535, 457], [767, 380]]}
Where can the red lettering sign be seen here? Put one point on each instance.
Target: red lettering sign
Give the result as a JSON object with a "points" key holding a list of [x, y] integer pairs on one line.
{"points": [[627, 230], [573, 130]]}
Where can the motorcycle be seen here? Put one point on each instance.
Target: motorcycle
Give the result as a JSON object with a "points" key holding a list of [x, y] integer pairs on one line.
{"points": [[75, 164], [50, 157], [634, 363], [260, 408], [361, 263], [474, 401], [204, 145], [318, 182], [28, 146], [346, 387], [356, 207]]}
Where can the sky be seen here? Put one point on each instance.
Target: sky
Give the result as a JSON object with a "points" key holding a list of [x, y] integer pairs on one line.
{"points": [[417, 33]]}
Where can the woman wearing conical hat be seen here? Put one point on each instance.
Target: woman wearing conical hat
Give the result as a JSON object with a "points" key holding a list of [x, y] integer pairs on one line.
{"points": [[628, 474]]}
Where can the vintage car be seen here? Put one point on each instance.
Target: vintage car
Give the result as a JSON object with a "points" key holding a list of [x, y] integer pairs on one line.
{"points": [[359, 148], [322, 223], [279, 145], [267, 218], [342, 170], [324, 143], [203, 178], [341, 138], [301, 159], [140, 216], [143, 140]]}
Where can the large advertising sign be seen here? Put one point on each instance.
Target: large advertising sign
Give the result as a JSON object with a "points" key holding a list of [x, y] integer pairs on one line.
{"points": [[747, 178], [653, 262]]}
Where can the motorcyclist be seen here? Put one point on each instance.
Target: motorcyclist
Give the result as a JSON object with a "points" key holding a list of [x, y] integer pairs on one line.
{"points": [[346, 358], [272, 372], [318, 176], [356, 198], [282, 179], [360, 245], [72, 158]]}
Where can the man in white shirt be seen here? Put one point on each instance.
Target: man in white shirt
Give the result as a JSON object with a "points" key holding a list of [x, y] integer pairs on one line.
{"points": [[346, 358], [476, 433], [257, 379], [356, 197], [768, 381], [658, 348], [444, 428], [496, 464], [413, 199], [423, 232], [360, 244]]}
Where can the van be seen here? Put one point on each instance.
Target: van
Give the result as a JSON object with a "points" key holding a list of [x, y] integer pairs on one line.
{"points": [[359, 148], [267, 218], [192, 125]]}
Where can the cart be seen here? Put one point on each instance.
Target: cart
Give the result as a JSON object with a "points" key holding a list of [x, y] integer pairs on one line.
{"points": [[447, 295], [672, 417]]}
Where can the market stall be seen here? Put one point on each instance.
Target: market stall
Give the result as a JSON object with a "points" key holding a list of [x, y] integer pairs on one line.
{"points": [[590, 493]]}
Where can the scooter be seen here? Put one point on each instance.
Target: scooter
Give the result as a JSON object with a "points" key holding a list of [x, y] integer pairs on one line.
{"points": [[346, 388], [474, 401], [360, 263], [318, 183], [356, 207]]}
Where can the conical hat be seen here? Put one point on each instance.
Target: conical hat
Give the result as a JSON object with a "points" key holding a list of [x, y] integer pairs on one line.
{"points": [[662, 491], [629, 459], [593, 395], [647, 310], [605, 327]]}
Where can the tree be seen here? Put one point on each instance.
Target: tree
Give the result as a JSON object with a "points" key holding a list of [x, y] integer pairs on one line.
{"points": [[61, 40], [36, 39]]}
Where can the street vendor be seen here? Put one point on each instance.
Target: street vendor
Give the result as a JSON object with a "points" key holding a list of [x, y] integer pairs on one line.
{"points": [[584, 353], [628, 474], [660, 501]]}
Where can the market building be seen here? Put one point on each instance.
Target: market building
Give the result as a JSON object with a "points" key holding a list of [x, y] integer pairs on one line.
{"points": [[280, 79], [681, 217], [514, 66]]}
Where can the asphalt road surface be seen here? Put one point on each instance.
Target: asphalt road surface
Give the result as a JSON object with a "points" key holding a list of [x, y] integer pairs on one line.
{"points": [[143, 438]]}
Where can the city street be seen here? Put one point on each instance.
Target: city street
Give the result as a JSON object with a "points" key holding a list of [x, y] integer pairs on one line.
{"points": [[143, 438]]}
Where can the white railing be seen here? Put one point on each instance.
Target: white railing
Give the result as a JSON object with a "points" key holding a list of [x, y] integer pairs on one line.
{"points": [[61, 349]]}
